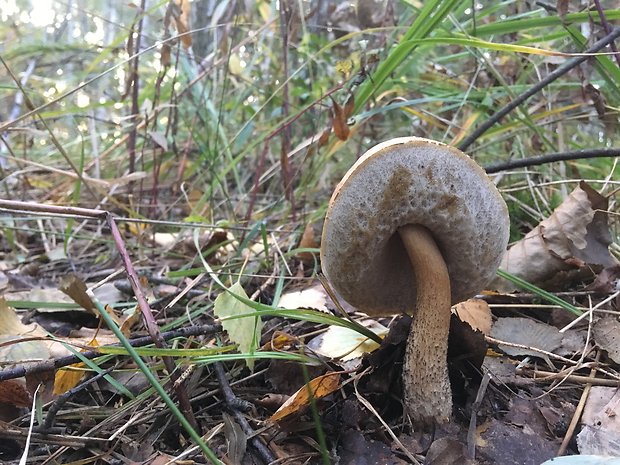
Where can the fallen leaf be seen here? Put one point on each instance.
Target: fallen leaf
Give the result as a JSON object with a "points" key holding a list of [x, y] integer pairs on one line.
{"points": [[236, 439], [69, 377], [245, 332], [317, 388], [504, 443], [280, 341], [607, 281], [12, 329], [575, 235], [344, 343], [476, 313], [313, 297], [165, 54], [526, 332], [14, 392], [447, 451], [75, 288], [562, 8], [606, 333], [600, 433], [309, 240], [324, 137]]}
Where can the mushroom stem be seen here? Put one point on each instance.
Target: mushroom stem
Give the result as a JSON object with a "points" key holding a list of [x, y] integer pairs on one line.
{"points": [[425, 372]]}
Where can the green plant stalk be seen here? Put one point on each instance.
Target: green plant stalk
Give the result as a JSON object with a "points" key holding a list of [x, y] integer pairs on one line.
{"points": [[548, 296], [320, 434], [604, 65], [154, 381], [519, 25], [421, 27], [167, 352], [97, 369]]}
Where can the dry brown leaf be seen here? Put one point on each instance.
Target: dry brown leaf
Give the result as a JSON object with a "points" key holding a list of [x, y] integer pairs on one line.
{"points": [[14, 392], [42, 383], [181, 19], [562, 8], [75, 288], [606, 333], [324, 137], [476, 313], [607, 281], [309, 240], [526, 332], [165, 55], [349, 106], [129, 319], [576, 234], [339, 121], [319, 387]]}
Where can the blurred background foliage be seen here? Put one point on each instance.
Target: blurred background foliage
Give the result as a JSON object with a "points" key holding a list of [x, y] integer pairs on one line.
{"points": [[240, 111]]}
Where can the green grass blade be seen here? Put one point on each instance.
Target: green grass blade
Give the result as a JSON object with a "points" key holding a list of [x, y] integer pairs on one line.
{"points": [[154, 381], [548, 296]]}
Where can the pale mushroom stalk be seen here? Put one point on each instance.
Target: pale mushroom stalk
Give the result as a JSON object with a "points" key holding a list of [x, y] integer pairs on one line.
{"points": [[425, 378]]}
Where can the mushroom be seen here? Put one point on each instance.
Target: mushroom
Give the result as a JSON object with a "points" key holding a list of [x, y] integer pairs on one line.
{"points": [[414, 227]]}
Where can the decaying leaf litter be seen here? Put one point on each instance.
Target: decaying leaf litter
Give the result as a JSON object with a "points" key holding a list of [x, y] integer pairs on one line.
{"points": [[257, 384]]}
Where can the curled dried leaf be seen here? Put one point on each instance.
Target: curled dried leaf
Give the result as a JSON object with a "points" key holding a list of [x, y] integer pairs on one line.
{"points": [[339, 121], [575, 235]]}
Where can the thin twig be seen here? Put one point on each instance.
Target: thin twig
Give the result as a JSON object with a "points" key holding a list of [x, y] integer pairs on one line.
{"points": [[562, 70], [552, 157], [60, 362], [471, 432], [50, 418], [542, 376], [232, 401], [607, 28], [149, 321], [578, 411]]}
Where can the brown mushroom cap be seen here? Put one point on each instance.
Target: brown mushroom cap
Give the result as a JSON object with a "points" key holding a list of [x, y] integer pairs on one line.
{"points": [[411, 180]]}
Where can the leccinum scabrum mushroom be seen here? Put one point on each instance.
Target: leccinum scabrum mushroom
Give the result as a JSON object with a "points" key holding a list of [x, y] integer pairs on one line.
{"points": [[413, 227]]}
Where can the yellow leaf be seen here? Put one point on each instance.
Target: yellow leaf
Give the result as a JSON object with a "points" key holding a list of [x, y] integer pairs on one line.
{"points": [[69, 377], [264, 9], [234, 64], [317, 388]]}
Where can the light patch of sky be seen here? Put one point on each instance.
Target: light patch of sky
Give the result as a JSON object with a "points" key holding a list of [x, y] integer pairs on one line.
{"points": [[8, 8], [82, 100], [42, 13]]}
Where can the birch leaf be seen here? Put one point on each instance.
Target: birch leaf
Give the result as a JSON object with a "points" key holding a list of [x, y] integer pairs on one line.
{"points": [[245, 332]]}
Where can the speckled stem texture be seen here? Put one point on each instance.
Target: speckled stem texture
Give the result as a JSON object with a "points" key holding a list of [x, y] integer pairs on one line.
{"points": [[426, 384]]}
